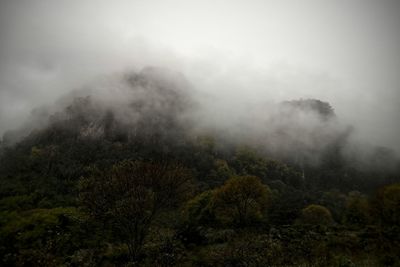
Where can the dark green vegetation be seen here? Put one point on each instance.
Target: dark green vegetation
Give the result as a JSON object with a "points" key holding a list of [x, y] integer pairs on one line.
{"points": [[92, 190]]}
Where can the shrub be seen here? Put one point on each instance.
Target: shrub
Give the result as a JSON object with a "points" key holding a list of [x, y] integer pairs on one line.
{"points": [[316, 214]]}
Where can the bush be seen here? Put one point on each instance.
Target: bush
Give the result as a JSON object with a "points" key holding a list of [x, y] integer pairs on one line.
{"points": [[241, 200], [316, 214]]}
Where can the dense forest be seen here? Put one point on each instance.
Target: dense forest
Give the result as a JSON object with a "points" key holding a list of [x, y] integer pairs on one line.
{"points": [[139, 183]]}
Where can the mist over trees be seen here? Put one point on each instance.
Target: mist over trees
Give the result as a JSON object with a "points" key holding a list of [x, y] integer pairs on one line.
{"points": [[132, 174], [184, 133]]}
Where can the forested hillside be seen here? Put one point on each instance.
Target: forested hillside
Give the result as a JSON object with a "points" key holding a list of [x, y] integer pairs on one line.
{"points": [[137, 182]]}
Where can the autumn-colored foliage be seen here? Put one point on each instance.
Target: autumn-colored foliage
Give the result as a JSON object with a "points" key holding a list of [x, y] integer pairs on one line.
{"points": [[242, 199]]}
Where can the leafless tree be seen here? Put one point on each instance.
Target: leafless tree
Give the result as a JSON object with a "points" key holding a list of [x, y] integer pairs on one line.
{"points": [[131, 195]]}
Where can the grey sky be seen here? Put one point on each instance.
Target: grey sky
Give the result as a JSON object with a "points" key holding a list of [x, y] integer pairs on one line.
{"points": [[343, 51]]}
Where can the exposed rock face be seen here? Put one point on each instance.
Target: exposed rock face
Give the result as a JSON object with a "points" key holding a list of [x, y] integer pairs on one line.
{"points": [[150, 103], [324, 109], [154, 108]]}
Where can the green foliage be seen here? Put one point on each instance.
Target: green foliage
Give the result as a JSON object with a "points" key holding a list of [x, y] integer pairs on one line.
{"points": [[248, 250], [219, 173], [357, 209], [286, 206], [391, 204], [50, 216], [33, 225], [316, 215], [386, 205], [40, 234], [248, 162], [200, 209], [18, 202], [166, 251], [335, 201]]}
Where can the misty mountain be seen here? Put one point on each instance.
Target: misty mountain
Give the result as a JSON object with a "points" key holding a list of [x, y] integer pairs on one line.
{"points": [[159, 107], [136, 151], [199, 133], [151, 102], [324, 109]]}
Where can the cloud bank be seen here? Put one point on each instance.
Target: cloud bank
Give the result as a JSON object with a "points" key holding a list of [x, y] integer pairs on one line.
{"points": [[235, 54]]}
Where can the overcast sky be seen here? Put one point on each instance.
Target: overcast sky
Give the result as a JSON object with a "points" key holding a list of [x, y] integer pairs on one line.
{"points": [[343, 51]]}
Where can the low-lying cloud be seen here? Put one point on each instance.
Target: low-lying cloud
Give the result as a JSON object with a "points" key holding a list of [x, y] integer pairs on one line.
{"points": [[278, 51]]}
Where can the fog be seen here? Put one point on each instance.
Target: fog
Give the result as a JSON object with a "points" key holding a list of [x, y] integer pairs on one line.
{"points": [[235, 55]]}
